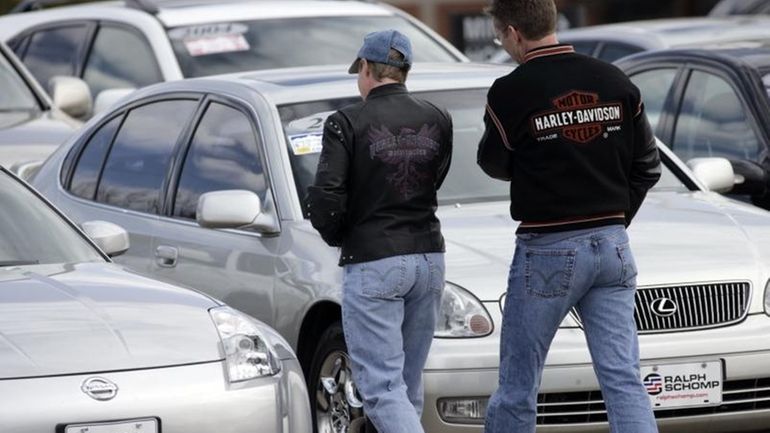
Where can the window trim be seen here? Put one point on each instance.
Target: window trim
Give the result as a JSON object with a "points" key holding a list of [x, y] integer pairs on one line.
{"points": [[122, 26], [664, 129], [79, 58], [73, 155], [182, 152], [728, 76]]}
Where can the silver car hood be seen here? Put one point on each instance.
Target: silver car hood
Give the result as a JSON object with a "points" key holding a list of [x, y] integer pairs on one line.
{"points": [[57, 320], [676, 238]]}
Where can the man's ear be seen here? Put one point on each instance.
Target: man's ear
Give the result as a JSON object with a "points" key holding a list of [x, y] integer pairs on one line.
{"points": [[515, 33], [364, 65]]}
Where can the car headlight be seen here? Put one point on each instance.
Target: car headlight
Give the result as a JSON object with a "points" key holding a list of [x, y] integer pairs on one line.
{"points": [[767, 298], [461, 315], [247, 352]]}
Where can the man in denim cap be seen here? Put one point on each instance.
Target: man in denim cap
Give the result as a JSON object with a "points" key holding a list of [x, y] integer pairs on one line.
{"points": [[375, 197]]}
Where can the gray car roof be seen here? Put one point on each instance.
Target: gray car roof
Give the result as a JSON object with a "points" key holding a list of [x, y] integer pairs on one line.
{"points": [[285, 86]]}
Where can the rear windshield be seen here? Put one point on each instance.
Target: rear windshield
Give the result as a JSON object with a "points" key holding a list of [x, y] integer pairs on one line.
{"points": [[221, 48]]}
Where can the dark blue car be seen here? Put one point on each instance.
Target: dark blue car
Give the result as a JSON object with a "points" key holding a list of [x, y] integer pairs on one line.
{"points": [[712, 102]]}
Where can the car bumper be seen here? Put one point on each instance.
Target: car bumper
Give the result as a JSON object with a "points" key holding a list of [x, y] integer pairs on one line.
{"points": [[186, 399], [467, 370]]}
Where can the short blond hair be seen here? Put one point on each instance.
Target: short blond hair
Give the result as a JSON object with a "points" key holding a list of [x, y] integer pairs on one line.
{"points": [[381, 71]]}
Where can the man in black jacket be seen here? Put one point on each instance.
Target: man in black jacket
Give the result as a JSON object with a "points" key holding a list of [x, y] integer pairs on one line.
{"points": [[570, 134], [375, 196]]}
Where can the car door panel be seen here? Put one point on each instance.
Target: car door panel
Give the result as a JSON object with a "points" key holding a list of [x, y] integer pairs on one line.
{"points": [[236, 266]]}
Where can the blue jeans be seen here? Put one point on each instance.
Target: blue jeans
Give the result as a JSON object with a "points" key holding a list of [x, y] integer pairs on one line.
{"points": [[389, 309], [592, 269]]}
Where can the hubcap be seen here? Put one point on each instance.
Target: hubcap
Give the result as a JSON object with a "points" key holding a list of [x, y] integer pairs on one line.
{"points": [[338, 406]]}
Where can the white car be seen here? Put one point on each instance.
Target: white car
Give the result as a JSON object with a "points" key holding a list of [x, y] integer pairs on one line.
{"points": [[237, 152], [117, 46]]}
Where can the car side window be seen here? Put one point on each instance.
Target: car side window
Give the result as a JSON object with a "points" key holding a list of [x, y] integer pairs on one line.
{"points": [[223, 154], [54, 52], [713, 121], [138, 161], [654, 85], [612, 51], [133, 65], [89, 164]]}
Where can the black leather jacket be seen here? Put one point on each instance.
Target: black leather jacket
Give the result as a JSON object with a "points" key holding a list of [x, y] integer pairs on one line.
{"points": [[375, 189]]}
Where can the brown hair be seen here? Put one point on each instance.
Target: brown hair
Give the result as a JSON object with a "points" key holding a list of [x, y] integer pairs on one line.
{"points": [[381, 71], [534, 19]]}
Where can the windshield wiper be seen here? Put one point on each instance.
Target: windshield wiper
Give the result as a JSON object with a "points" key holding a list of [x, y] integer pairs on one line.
{"points": [[4, 263]]}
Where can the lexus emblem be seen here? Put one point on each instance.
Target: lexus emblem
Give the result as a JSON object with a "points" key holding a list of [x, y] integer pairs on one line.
{"points": [[663, 307], [99, 388]]}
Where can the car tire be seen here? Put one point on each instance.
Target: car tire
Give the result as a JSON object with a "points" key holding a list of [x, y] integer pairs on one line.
{"points": [[334, 400]]}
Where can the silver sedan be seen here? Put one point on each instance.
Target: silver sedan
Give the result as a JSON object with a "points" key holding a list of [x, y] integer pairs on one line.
{"points": [[207, 176], [87, 346]]}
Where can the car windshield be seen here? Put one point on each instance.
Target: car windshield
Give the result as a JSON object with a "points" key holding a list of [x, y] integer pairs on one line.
{"points": [[15, 95], [465, 183], [32, 233], [221, 48]]}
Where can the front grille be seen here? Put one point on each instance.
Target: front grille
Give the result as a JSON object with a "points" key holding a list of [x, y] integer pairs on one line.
{"points": [[588, 407], [697, 306]]}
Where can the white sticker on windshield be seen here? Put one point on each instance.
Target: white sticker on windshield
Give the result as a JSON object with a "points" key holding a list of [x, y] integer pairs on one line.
{"points": [[306, 144], [207, 31], [216, 45]]}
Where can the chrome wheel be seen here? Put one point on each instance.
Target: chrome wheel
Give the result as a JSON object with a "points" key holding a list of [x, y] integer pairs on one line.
{"points": [[337, 404]]}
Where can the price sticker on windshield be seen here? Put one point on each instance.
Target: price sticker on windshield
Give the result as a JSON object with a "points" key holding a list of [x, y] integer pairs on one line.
{"points": [[306, 144], [212, 38]]}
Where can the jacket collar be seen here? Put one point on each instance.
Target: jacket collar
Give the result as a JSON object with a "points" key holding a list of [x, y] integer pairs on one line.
{"points": [[387, 89], [548, 50]]}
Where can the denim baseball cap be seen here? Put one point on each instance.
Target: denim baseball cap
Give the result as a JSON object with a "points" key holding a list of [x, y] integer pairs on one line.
{"points": [[377, 46]]}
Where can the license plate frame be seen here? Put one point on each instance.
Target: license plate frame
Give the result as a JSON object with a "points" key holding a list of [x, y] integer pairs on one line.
{"points": [[684, 384], [136, 425]]}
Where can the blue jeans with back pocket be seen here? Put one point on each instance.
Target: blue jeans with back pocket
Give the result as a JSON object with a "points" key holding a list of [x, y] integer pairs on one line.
{"points": [[594, 271], [389, 309]]}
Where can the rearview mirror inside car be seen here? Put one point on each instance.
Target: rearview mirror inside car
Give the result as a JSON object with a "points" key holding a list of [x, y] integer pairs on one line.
{"points": [[111, 238]]}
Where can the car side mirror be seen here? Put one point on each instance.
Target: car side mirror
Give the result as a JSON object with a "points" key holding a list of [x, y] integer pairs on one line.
{"points": [[71, 95], [714, 173], [111, 238], [236, 208], [750, 178], [107, 98]]}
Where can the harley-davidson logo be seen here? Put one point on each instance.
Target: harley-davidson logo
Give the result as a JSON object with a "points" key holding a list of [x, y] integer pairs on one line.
{"points": [[579, 116]]}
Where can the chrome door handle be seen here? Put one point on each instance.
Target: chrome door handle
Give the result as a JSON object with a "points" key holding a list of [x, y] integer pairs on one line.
{"points": [[166, 256]]}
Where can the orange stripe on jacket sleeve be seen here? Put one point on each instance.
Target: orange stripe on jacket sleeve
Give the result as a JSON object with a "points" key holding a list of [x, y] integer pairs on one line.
{"points": [[499, 126]]}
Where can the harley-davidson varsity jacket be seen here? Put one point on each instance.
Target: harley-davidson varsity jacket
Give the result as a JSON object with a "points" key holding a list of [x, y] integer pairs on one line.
{"points": [[570, 134]]}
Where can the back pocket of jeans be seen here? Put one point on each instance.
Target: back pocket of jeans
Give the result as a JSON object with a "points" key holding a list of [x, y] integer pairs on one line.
{"points": [[384, 278], [548, 272]]}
